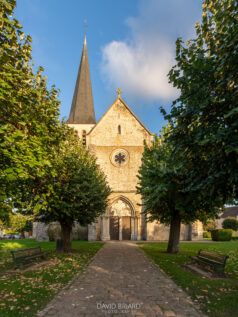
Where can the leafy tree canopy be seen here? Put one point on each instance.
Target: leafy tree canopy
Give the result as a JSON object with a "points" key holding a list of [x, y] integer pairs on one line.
{"points": [[44, 170], [162, 184], [204, 118], [75, 188], [209, 225], [29, 124], [18, 223]]}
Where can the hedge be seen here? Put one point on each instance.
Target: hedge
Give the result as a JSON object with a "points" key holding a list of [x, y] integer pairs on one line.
{"points": [[206, 234], [230, 223], [221, 234]]}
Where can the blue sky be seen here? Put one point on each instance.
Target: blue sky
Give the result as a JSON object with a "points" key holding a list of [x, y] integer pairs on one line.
{"points": [[131, 45]]}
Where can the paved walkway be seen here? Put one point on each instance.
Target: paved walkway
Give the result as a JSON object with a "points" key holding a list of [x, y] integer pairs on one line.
{"points": [[121, 281]]}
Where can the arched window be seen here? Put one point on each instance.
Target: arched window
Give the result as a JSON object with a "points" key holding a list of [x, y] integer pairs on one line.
{"points": [[75, 133], [119, 129], [84, 137]]}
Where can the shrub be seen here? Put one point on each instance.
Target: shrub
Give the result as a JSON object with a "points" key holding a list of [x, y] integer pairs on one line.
{"points": [[210, 225], [234, 238], [206, 234], [230, 223], [221, 234]]}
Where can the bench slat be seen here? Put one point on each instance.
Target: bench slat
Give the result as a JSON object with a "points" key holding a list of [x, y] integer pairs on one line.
{"points": [[212, 254], [214, 260], [211, 260], [26, 252], [23, 255]]}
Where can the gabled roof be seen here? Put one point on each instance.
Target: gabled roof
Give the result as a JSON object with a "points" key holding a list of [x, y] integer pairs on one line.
{"points": [[128, 108], [82, 108], [230, 212]]}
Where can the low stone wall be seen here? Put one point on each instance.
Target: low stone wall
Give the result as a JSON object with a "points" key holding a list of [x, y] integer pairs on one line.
{"points": [[197, 231], [40, 231], [158, 231], [52, 231], [155, 231]]}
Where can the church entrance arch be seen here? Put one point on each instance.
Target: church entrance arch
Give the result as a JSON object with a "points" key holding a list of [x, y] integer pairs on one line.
{"points": [[122, 219]]}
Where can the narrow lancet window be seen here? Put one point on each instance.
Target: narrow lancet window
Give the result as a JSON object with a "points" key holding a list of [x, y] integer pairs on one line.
{"points": [[84, 137], [119, 129]]}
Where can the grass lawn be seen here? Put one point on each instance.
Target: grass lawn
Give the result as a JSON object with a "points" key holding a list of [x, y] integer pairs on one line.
{"points": [[217, 298], [23, 294]]}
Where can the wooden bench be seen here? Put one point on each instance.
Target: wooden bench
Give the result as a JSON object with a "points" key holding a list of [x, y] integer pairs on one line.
{"points": [[23, 256], [214, 260]]}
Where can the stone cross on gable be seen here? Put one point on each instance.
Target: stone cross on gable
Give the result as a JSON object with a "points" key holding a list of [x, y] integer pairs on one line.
{"points": [[119, 93]]}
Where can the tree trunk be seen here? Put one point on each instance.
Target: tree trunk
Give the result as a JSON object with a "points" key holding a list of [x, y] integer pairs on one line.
{"points": [[174, 234], [65, 235]]}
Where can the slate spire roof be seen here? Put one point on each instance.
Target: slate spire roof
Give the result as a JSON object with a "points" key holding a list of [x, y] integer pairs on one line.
{"points": [[82, 108]]}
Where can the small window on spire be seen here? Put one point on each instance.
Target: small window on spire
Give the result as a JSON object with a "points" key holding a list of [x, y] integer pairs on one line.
{"points": [[84, 137], [119, 129]]}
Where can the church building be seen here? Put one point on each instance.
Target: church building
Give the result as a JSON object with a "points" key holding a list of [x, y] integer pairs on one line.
{"points": [[117, 141]]}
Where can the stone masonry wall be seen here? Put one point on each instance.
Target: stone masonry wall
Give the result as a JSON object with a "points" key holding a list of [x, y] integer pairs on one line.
{"points": [[104, 139], [42, 231]]}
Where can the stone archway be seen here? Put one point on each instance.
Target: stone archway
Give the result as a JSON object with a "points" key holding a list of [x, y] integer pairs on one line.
{"points": [[120, 220]]}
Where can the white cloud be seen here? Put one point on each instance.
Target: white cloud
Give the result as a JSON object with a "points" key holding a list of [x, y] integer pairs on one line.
{"points": [[138, 71], [139, 65]]}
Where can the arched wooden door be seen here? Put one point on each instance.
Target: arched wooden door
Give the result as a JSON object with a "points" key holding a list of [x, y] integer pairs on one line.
{"points": [[126, 228], [121, 213]]}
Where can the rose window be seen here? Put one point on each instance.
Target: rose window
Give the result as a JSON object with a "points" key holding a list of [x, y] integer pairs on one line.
{"points": [[119, 157]]}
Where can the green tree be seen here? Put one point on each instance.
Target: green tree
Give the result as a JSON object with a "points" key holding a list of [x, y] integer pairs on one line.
{"points": [[29, 124], [204, 118], [209, 225], [18, 223], [230, 223], [78, 190], [1, 225], [162, 184]]}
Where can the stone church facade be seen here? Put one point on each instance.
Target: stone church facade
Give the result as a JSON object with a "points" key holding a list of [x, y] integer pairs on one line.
{"points": [[117, 140]]}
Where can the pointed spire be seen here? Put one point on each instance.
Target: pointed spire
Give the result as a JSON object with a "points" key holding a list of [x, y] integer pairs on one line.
{"points": [[82, 108]]}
